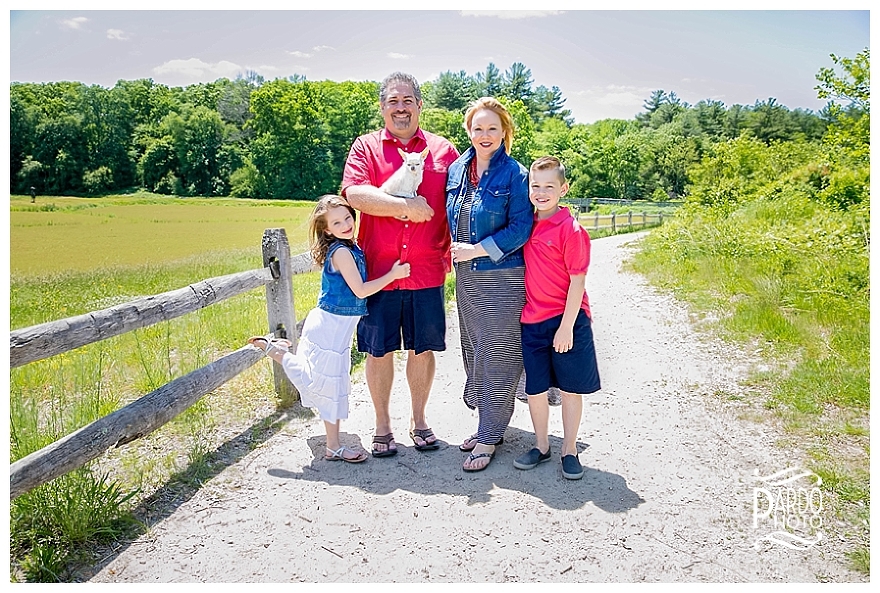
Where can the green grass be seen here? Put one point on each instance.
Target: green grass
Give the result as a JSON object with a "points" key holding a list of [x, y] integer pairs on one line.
{"points": [[788, 277], [64, 234], [159, 244]]}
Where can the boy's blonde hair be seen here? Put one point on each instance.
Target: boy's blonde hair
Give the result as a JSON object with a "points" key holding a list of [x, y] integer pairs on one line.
{"points": [[319, 239], [494, 105], [550, 163]]}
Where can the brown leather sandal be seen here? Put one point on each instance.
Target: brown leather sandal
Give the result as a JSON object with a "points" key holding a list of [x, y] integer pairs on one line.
{"points": [[424, 434], [387, 440]]}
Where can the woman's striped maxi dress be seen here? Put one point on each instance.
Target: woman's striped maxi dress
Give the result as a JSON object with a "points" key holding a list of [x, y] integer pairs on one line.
{"points": [[489, 306]]}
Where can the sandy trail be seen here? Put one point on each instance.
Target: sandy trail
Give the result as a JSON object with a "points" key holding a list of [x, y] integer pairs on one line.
{"points": [[667, 493]]}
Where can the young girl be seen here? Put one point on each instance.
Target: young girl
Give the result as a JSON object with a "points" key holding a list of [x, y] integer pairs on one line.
{"points": [[321, 367]]}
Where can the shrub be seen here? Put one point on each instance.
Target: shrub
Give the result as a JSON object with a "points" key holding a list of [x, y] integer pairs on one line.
{"points": [[98, 181], [169, 185], [244, 182]]}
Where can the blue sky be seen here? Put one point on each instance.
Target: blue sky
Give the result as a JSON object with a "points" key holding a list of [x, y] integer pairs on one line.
{"points": [[605, 62]]}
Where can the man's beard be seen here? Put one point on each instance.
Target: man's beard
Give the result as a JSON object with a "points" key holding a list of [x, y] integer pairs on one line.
{"points": [[402, 123]]}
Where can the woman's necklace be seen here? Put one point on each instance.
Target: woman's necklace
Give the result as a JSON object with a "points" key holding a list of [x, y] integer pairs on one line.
{"points": [[474, 178]]}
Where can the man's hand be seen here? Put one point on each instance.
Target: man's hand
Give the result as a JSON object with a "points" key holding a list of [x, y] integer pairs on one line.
{"points": [[417, 210]]}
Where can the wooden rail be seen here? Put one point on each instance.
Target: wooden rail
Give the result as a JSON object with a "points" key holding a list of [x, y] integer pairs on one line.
{"points": [[583, 204], [158, 407], [616, 221]]}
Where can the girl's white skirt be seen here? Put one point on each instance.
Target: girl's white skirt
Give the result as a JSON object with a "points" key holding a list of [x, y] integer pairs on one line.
{"points": [[321, 368]]}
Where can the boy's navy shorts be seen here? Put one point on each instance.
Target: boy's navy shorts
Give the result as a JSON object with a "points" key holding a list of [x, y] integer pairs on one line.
{"points": [[575, 371], [416, 316]]}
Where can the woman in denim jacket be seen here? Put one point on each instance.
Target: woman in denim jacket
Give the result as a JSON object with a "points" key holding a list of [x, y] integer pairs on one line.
{"points": [[490, 218]]}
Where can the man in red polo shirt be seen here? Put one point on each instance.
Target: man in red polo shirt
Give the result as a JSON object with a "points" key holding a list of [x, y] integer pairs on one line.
{"points": [[411, 310]]}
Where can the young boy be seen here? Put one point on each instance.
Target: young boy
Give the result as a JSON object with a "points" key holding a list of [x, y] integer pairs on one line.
{"points": [[557, 338]]}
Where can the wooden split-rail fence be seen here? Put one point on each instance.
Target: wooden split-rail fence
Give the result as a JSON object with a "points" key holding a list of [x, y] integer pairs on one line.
{"points": [[616, 221], [158, 407]]}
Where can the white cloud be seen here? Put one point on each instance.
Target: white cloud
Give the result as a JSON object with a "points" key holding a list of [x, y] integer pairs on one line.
{"points": [[396, 56], [512, 14], [267, 67], [195, 68], [614, 94], [117, 34], [75, 22], [316, 49]]}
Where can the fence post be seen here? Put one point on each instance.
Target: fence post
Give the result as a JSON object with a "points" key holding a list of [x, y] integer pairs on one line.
{"points": [[596, 221], [644, 219], [279, 304], [629, 219], [613, 222]]}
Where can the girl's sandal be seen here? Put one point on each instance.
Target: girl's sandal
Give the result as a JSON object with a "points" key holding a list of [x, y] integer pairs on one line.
{"points": [[339, 455], [273, 345]]}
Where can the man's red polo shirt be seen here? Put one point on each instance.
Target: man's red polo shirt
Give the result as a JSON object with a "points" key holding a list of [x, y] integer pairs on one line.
{"points": [[558, 249], [373, 158]]}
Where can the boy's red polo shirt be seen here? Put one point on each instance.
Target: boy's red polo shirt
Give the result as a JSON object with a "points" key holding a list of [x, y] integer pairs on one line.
{"points": [[558, 249], [373, 158]]}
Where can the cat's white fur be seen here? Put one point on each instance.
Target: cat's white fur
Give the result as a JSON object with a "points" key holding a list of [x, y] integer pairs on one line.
{"points": [[406, 180]]}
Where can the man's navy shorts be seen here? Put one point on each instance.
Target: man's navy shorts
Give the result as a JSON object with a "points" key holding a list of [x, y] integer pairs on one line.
{"points": [[417, 316], [575, 371]]}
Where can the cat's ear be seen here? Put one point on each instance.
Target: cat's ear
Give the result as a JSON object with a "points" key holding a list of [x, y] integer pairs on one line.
{"points": [[402, 154], [424, 153]]}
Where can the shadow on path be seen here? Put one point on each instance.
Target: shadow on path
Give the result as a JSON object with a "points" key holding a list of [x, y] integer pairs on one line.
{"points": [[420, 472]]}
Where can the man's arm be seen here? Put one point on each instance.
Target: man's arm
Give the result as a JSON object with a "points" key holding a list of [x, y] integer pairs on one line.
{"points": [[373, 201]]}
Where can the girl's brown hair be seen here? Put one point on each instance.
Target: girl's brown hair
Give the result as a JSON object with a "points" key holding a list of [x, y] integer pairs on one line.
{"points": [[319, 239], [494, 105]]}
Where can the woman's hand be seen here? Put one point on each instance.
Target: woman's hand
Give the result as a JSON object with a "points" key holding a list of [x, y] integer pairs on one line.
{"points": [[462, 252]]}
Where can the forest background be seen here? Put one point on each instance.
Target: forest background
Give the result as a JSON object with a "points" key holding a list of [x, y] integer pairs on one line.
{"points": [[288, 138]]}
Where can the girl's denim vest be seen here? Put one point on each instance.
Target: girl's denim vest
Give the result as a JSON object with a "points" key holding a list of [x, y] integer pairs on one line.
{"points": [[336, 297]]}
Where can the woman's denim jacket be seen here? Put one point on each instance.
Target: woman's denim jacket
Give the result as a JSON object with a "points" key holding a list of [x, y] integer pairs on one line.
{"points": [[336, 296], [501, 213]]}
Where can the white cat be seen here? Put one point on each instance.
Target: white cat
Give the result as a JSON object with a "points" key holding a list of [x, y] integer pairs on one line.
{"points": [[406, 180]]}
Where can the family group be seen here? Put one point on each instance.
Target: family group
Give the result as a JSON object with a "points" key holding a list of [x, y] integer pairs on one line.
{"points": [[520, 262]]}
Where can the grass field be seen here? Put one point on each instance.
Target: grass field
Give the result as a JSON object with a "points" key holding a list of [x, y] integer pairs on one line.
{"points": [[69, 256], [63, 234]]}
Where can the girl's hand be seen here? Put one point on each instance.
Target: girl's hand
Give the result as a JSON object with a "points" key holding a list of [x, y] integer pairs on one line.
{"points": [[563, 340], [399, 270]]}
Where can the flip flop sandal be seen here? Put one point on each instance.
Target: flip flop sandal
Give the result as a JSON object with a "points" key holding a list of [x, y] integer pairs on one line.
{"points": [[424, 434], [472, 457], [339, 455], [385, 439], [473, 438]]}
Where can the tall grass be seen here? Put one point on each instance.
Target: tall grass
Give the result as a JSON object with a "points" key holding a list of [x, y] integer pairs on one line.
{"points": [[53, 526], [773, 258]]}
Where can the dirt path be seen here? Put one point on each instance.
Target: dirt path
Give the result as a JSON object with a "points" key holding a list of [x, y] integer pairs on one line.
{"points": [[667, 494]]}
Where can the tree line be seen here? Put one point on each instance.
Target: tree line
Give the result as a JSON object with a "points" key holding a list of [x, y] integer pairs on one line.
{"points": [[288, 138]]}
